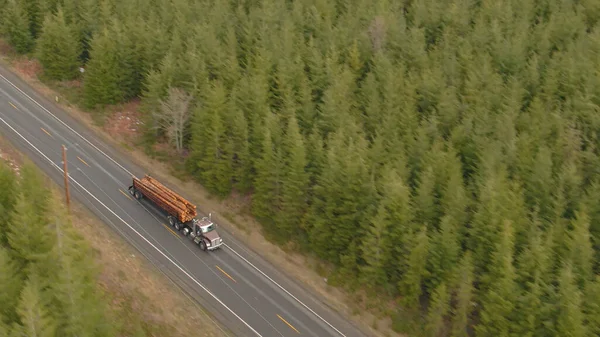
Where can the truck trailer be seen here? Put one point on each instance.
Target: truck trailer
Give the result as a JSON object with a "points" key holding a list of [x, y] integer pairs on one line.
{"points": [[181, 214]]}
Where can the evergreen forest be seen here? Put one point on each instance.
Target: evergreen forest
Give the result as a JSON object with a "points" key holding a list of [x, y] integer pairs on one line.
{"points": [[440, 154], [47, 272]]}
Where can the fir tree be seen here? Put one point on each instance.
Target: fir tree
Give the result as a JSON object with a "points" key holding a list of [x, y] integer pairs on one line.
{"points": [[15, 25], [8, 193], [415, 270], [267, 184], [294, 181], [570, 318], [444, 252], [28, 233], [500, 299], [592, 306], [461, 312], [57, 48], [582, 253], [211, 152], [102, 79], [438, 309], [341, 210], [10, 285], [34, 315], [238, 137]]}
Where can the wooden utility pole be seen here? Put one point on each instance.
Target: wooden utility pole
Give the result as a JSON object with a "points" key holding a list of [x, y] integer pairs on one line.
{"points": [[64, 156]]}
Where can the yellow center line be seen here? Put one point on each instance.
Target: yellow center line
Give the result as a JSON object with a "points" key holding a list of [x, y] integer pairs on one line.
{"points": [[170, 230], [48, 133], [286, 322], [222, 271], [13, 105], [83, 161], [125, 194]]}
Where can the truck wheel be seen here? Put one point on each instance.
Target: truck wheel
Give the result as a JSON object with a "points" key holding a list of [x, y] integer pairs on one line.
{"points": [[137, 195], [186, 231], [177, 227], [171, 221], [202, 245]]}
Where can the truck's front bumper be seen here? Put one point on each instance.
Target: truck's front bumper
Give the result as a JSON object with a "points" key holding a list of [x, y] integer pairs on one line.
{"points": [[211, 247]]}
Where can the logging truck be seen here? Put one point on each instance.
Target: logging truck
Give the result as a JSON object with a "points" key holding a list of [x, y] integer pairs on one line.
{"points": [[181, 214]]}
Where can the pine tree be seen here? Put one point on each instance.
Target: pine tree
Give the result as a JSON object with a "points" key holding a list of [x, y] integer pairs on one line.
{"points": [[211, 152], [28, 233], [35, 317], [438, 309], [396, 215], [3, 328], [15, 24], [74, 289], [8, 193], [35, 14], [464, 297], [375, 254], [582, 253], [425, 200], [294, 181], [454, 200], [132, 52], [500, 298], [570, 318], [415, 270], [592, 306], [238, 138], [341, 210], [267, 185], [102, 79], [534, 277], [34, 188], [444, 252], [57, 48], [10, 285]]}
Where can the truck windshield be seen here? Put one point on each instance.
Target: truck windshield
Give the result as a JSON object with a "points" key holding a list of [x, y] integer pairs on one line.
{"points": [[206, 229]]}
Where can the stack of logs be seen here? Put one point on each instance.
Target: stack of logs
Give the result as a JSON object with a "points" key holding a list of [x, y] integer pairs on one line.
{"points": [[186, 210]]}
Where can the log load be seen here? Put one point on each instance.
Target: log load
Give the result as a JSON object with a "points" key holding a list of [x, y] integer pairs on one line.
{"points": [[162, 196]]}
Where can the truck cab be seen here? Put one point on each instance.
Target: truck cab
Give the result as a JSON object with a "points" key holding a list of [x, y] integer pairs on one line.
{"points": [[204, 233]]}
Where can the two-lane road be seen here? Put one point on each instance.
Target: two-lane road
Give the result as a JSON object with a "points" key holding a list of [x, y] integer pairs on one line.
{"points": [[242, 291]]}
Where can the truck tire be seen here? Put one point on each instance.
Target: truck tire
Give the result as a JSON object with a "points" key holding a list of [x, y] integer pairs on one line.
{"points": [[176, 225], [185, 231], [171, 221], [202, 245], [137, 195]]}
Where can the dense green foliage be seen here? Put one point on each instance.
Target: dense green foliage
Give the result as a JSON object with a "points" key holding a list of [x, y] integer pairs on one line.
{"points": [[47, 273], [444, 153]]}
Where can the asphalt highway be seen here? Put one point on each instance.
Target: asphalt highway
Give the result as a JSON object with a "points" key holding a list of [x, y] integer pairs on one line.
{"points": [[242, 291]]}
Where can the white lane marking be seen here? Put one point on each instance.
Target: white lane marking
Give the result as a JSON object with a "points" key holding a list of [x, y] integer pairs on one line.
{"points": [[195, 253], [268, 298], [65, 124], [124, 169], [282, 288], [133, 229]]}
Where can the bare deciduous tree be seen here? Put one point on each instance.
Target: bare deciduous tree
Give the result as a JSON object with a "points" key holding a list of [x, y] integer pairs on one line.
{"points": [[173, 116]]}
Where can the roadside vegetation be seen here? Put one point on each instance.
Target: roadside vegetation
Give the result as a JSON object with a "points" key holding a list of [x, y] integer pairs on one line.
{"points": [[439, 156], [67, 275], [47, 273]]}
